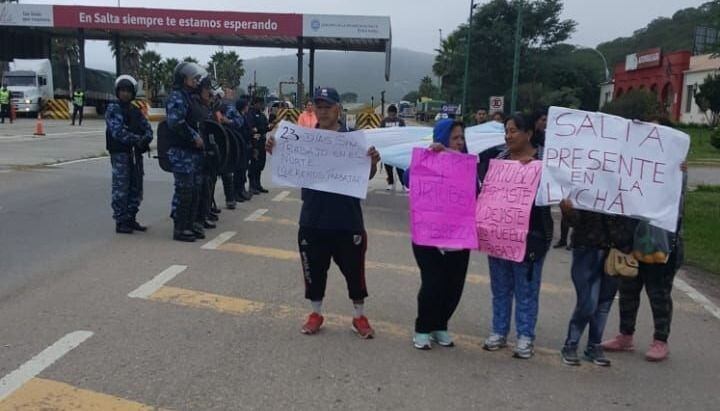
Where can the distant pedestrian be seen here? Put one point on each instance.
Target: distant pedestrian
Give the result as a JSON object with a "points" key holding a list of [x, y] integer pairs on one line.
{"points": [[307, 118], [481, 116], [4, 104], [78, 106], [498, 116], [392, 120]]}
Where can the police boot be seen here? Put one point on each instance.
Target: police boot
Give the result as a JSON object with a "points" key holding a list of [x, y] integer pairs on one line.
{"points": [[123, 228], [137, 226], [198, 230], [229, 189], [183, 216]]}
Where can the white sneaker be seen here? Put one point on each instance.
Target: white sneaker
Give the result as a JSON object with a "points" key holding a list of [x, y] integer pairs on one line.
{"points": [[390, 187], [524, 348]]}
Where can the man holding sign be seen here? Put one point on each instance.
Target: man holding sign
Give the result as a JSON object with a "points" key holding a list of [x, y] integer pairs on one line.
{"points": [[331, 225]]}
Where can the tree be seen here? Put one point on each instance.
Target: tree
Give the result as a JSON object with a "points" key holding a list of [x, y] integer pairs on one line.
{"points": [[151, 73], [412, 96], [349, 97], [189, 59], [227, 67], [65, 53], [130, 51], [167, 69], [708, 99], [427, 88], [636, 104], [491, 51]]}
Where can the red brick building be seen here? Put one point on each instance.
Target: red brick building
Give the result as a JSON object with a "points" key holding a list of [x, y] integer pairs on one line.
{"points": [[660, 73]]}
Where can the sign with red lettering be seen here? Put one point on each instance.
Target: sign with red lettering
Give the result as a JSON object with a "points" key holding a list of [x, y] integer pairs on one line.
{"points": [[178, 21], [613, 165], [497, 103], [643, 59], [442, 199], [503, 208]]}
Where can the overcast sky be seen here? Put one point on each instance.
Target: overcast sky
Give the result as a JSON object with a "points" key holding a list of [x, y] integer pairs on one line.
{"points": [[415, 23]]}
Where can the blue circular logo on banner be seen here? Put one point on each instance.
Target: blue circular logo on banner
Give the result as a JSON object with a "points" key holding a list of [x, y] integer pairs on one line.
{"points": [[315, 24]]}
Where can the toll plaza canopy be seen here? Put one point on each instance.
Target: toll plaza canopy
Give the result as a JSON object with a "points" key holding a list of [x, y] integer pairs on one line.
{"points": [[230, 28]]}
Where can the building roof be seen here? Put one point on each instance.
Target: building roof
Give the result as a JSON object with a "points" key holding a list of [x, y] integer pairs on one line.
{"points": [[704, 62]]}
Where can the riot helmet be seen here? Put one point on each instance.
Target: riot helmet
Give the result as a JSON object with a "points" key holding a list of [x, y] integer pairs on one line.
{"points": [[126, 82], [187, 70]]}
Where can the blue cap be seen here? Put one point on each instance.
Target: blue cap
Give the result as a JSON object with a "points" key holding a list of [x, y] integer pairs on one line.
{"points": [[327, 94]]}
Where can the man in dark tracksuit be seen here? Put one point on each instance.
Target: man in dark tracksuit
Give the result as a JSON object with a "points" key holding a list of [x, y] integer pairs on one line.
{"points": [[392, 120], [259, 125], [332, 228], [128, 136]]}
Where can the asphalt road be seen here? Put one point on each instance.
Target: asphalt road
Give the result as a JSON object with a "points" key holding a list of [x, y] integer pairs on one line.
{"points": [[219, 330]]}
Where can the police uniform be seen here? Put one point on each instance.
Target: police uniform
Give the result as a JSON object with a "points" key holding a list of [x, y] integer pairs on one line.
{"points": [[127, 137], [259, 122]]}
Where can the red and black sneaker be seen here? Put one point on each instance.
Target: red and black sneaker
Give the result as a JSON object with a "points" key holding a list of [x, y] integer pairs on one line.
{"points": [[362, 327], [313, 323]]}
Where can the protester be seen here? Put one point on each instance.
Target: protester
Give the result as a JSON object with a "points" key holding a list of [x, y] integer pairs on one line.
{"points": [[594, 289], [332, 228], [442, 271], [481, 116], [392, 120], [307, 118], [127, 138], [658, 282], [520, 280], [498, 116]]}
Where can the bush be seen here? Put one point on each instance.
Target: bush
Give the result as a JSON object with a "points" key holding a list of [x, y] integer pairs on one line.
{"points": [[715, 138], [636, 105]]}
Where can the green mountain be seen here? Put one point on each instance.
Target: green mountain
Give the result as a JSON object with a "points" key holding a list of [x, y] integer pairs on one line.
{"points": [[358, 72], [670, 34]]}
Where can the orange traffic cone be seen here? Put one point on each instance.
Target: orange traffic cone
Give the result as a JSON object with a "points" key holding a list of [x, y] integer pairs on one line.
{"points": [[39, 128]]}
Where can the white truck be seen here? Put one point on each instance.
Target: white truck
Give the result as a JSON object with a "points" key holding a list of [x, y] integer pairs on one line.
{"points": [[30, 82]]}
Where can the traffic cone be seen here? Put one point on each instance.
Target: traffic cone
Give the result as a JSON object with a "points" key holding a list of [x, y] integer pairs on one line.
{"points": [[39, 128], [13, 113]]}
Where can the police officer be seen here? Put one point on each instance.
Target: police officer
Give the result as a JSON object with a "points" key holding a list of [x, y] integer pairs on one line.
{"points": [[78, 104], [228, 116], [259, 126], [206, 212], [4, 104], [127, 137], [186, 148], [242, 106]]}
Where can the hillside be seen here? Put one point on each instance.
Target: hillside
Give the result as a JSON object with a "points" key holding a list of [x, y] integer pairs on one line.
{"points": [[670, 34], [362, 73]]}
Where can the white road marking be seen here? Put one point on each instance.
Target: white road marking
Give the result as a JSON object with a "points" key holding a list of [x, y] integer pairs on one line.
{"points": [[147, 289], [40, 362], [218, 241], [82, 160], [281, 196], [696, 296], [256, 214]]}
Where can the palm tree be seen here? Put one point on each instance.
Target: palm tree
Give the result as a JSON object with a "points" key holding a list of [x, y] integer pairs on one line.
{"points": [[227, 67], [130, 50], [65, 53], [150, 72]]}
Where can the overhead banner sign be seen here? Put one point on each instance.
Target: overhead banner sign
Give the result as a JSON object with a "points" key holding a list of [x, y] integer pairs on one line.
{"points": [[321, 160], [327, 25], [613, 165], [35, 15], [442, 199], [178, 21], [503, 208]]}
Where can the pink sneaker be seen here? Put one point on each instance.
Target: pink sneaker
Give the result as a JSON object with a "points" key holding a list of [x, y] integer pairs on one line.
{"points": [[658, 351], [621, 342]]}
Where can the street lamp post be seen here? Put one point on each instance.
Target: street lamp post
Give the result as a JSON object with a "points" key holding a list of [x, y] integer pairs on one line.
{"points": [[468, 37], [607, 72]]}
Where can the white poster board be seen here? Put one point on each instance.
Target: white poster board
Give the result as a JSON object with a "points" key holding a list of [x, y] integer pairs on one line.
{"points": [[613, 165], [321, 160]]}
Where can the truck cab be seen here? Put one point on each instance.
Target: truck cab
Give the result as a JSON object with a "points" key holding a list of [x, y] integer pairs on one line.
{"points": [[29, 83]]}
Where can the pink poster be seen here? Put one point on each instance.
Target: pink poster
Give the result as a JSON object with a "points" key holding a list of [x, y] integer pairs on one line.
{"points": [[503, 208], [442, 199]]}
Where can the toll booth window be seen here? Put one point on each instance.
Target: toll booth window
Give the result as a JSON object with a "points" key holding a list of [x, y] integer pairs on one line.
{"points": [[42, 81]]}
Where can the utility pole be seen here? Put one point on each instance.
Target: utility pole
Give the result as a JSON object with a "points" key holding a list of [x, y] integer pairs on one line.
{"points": [[516, 60], [468, 37]]}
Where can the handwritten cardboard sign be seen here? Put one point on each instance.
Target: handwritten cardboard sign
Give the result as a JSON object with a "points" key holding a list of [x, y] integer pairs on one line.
{"points": [[503, 208], [321, 160], [613, 165], [442, 199]]}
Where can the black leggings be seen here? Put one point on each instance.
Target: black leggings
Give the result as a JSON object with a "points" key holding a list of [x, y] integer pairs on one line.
{"points": [[443, 278]]}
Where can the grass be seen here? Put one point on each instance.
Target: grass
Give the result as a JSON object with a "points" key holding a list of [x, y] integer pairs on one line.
{"points": [[701, 151], [702, 228]]}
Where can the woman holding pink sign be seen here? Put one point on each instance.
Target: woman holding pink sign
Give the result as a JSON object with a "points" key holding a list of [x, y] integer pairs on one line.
{"points": [[442, 271], [520, 280]]}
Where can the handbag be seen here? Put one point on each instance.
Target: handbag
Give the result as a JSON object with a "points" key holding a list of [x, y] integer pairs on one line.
{"points": [[619, 263]]}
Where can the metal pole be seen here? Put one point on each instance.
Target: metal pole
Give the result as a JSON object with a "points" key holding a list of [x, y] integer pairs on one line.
{"points": [[607, 72], [299, 91], [81, 44], [467, 59], [311, 75], [516, 60]]}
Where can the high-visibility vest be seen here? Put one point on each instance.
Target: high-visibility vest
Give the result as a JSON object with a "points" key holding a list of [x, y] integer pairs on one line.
{"points": [[4, 97], [79, 98]]}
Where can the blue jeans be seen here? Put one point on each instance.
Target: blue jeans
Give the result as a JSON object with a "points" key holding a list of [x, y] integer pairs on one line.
{"points": [[595, 291], [509, 279]]}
